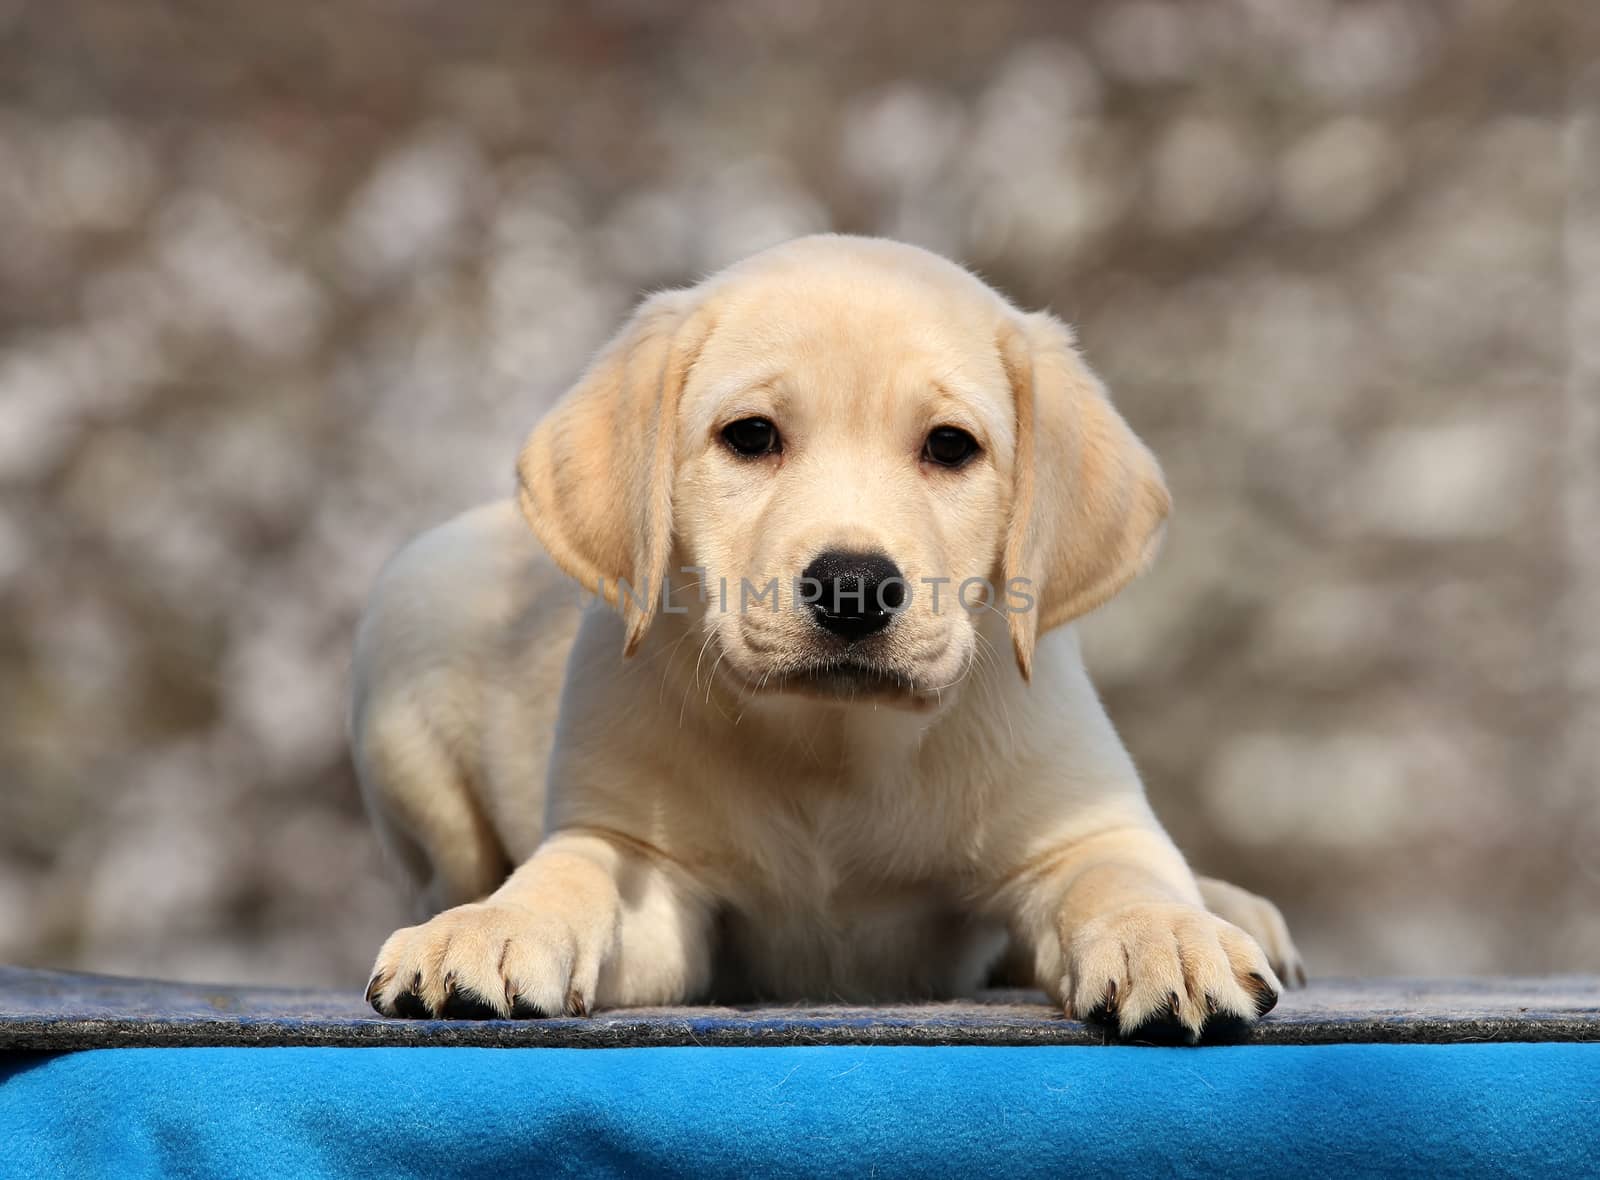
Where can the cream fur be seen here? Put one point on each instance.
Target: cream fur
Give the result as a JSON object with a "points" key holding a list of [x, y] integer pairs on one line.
{"points": [[714, 816]]}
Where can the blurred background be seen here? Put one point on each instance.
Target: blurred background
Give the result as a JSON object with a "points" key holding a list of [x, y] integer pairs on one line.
{"points": [[281, 284]]}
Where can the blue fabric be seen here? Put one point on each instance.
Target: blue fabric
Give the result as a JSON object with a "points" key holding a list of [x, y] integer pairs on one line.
{"points": [[1270, 1111]]}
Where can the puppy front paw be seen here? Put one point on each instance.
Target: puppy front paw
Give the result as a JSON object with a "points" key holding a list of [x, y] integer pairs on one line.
{"points": [[483, 961], [1168, 973]]}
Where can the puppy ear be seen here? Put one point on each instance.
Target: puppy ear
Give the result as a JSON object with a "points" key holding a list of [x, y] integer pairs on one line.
{"points": [[595, 476], [1088, 500]]}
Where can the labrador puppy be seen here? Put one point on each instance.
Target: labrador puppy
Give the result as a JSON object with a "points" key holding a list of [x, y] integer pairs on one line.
{"points": [[824, 731]]}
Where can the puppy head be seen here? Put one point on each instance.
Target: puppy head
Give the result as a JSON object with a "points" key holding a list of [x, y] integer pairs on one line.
{"points": [[864, 452]]}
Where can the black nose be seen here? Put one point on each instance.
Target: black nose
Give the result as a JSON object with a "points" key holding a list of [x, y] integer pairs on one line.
{"points": [[853, 595]]}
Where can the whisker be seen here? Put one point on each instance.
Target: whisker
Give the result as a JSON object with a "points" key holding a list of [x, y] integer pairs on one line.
{"points": [[694, 682]]}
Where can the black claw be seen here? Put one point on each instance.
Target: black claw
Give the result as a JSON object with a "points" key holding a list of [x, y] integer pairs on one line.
{"points": [[1264, 994], [466, 1004], [1104, 1013]]}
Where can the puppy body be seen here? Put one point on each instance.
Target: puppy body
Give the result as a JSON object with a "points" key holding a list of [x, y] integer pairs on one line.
{"points": [[749, 807]]}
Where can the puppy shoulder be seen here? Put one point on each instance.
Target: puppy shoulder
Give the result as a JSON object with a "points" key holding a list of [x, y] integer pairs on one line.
{"points": [[454, 596]]}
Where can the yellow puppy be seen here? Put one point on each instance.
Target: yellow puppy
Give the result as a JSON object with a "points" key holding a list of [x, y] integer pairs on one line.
{"points": [[844, 500]]}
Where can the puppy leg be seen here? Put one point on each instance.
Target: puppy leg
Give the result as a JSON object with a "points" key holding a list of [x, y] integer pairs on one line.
{"points": [[585, 922], [1121, 939], [1261, 920], [431, 821]]}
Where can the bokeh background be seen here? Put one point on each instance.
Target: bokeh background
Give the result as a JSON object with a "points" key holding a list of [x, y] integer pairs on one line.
{"points": [[280, 284]]}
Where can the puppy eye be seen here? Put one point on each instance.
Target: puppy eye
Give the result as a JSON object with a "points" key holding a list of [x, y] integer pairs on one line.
{"points": [[949, 446], [752, 437]]}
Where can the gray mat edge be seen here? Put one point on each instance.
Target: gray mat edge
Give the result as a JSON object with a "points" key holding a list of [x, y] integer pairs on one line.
{"points": [[45, 1011], [68, 1033]]}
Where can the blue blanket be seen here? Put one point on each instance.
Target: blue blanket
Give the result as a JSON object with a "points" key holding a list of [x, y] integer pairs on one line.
{"points": [[1269, 1111]]}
